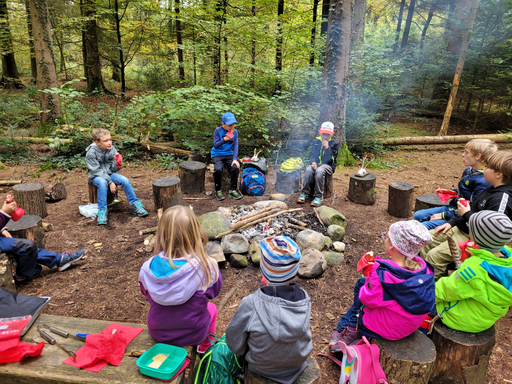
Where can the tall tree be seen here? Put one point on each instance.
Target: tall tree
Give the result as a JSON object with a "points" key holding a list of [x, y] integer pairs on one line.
{"points": [[313, 32], [399, 25], [358, 21], [10, 76], [279, 39], [324, 26], [253, 48], [427, 24], [408, 22], [33, 64], [179, 42]]}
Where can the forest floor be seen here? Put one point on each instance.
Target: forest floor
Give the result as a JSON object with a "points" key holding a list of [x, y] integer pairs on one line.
{"points": [[104, 284]]}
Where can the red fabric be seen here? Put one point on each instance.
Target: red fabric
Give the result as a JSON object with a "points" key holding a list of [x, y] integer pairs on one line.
{"points": [[464, 246], [20, 351], [11, 348], [104, 347], [445, 194], [364, 263]]}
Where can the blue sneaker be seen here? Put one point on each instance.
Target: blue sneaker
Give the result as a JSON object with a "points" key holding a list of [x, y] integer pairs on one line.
{"points": [[102, 217], [302, 198], [317, 201], [138, 209], [69, 258]]}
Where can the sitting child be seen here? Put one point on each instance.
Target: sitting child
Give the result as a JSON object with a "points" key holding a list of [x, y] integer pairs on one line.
{"points": [[322, 159], [103, 162], [271, 326], [477, 294], [392, 302], [179, 281], [476, 153]]}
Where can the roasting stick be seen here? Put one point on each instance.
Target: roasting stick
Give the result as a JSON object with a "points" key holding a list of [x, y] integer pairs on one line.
{"points": [[254, 213], [250, 219], [318, 217]]}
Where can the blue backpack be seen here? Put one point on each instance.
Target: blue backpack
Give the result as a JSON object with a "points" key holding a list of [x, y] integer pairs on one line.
{"points": [[253, 182]]}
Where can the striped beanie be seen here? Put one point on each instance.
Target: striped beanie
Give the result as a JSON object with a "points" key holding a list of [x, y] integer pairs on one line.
{"points": [[490, 230], [280, 259]]}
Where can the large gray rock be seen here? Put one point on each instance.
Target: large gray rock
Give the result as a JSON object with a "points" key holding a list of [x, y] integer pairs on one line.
{"points": [[328, 242], [333, 258], [234, 243], [330, 216], [213, 249], [255, 253], [270, 203], [257, 239], [310, 239], [336, 232], [238, 261], [339, 246], [312, 264], [214, 223]]}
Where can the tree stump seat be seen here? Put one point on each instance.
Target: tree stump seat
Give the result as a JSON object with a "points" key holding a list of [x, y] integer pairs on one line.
{"points": [[428, 201], [192, 175], [361, 189], [409, 360], [461, 357], [311, 375], [31, 197], [167, 192], [400, 199], [288, 182], [48, 368], [6, 267], [328, 188], [93, 193], [226, 179], [28, 227]]}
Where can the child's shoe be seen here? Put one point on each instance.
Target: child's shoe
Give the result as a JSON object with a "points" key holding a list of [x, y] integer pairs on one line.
{"points": [[302, 198], [69, 258], [234, 195], [219, 196], [317, 201], [138, 209], [102, 217], [23, 280], [349, 336]]}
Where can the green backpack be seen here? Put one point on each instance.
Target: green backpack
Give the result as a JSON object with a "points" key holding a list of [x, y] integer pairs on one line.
{"points": [[219, 365], [292, 164]]}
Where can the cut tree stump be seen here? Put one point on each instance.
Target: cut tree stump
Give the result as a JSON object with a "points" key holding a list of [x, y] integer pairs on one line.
{"points": [[461, 357], [288, 182], [361, 190], [328, 188], [192, 175], [407, 361], [55, 191], [6, 279], [31, 197], [310, 375], [167, 192], [93, 193], [400, 199], [28, 227], [226, 179], [428, 201]]}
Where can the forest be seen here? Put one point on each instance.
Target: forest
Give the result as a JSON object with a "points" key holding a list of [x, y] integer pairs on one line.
{"points": [[163, 71]]}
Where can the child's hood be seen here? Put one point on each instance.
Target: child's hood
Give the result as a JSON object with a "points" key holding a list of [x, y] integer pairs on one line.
{"points": [[499, 268], [176, 288], [282, 319], [97, 149]]}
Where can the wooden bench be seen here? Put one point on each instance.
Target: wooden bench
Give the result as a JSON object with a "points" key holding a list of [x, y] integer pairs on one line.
{"points": [[49, 369], [310, 375]]}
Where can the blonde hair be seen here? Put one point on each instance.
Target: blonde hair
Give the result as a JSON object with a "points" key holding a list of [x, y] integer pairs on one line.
{"points": [[411, 265], [98, 132], [179, 235], [501, 161], [484, 147]]}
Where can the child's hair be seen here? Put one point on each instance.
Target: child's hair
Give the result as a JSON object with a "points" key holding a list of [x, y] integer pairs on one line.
{"points": [[179, 235], [98, 132], [411, 265], [501, 161], [484, 147]]}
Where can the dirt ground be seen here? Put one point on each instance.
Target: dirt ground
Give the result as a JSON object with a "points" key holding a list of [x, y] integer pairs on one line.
{"points": [[104, 285]]}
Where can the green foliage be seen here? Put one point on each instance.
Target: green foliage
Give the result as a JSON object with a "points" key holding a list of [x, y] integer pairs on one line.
{"points": [[62, 163], [345, 158], [167, 160], [16, 109], [68, 96]]}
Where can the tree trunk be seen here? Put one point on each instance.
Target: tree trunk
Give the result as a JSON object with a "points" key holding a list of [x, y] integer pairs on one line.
{"points": [[33, 64], [179, 42], [410, 14], [460, 139], [116, 72], [427, 24], [399, 25], [323, 27], [194, 54], [217, 79], [279, 39], [84, 44], [30, 197], [167, 192], [46, 72], [460, 65], [336, 66], [253, 49], [10, 77], [358, 23], [313, 32], [120, 45], [29, 227], [400, 199]]}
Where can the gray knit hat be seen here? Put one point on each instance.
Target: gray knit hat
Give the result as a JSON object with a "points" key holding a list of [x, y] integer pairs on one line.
{"points": [[490, 230]]}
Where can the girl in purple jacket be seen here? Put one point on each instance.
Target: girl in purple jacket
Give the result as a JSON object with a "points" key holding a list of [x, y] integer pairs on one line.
{"points": [[179, 281], [392, 302]]}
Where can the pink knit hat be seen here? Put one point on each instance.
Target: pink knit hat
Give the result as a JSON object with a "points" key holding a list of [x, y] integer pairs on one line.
{"points": [[408, 237]]}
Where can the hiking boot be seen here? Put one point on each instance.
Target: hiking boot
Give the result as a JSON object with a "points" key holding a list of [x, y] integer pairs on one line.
{"points": [[234, 195], [347, 336], [23, 280], [102, 217], [69, 258], [317, 201], [302, 198], [138, 209], [219, 196]]}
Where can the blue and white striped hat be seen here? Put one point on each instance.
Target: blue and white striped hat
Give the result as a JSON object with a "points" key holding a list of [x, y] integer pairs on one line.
{"points": [[280, 259]]}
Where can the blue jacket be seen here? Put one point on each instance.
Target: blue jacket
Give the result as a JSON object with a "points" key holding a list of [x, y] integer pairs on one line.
{"points": [[222, 147]]}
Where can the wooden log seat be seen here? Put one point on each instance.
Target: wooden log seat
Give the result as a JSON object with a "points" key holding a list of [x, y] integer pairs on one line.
{"points": [[226, 179], [6, 279], [288, 182], [361, 189], [192, 176], [428, 201], [328, 188], [461, 357], [28, 227], [167, 192], [93, 193], [400, 199], [310, 375], [31, 197], [407, 361], [49, 369], [55, 192]]}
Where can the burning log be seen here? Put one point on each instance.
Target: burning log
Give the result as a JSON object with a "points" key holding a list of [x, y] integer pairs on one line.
{"points": [[298, 222], [297, 227], [253, 217], [254, 213]]}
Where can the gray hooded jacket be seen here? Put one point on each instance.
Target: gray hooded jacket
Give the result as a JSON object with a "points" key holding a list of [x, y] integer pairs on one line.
{"points": [[273, 333], [101, 163]]}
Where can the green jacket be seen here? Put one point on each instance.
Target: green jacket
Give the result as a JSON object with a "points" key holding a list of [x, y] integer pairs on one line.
{"points": [[469, 299]]}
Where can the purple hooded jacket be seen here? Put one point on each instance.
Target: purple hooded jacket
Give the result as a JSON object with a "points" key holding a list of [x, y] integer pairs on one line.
{"points": [[178, 313]]}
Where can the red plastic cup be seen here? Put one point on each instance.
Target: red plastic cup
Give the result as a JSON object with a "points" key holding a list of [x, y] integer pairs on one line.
{"points": [[464, 202], [264, 281], [18, 213], [364, 264], [119, 159]]}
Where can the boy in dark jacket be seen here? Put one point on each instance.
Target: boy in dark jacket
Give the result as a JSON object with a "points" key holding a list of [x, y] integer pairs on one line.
{"points": [[322, 159], [498, 198], [271, 326]]}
